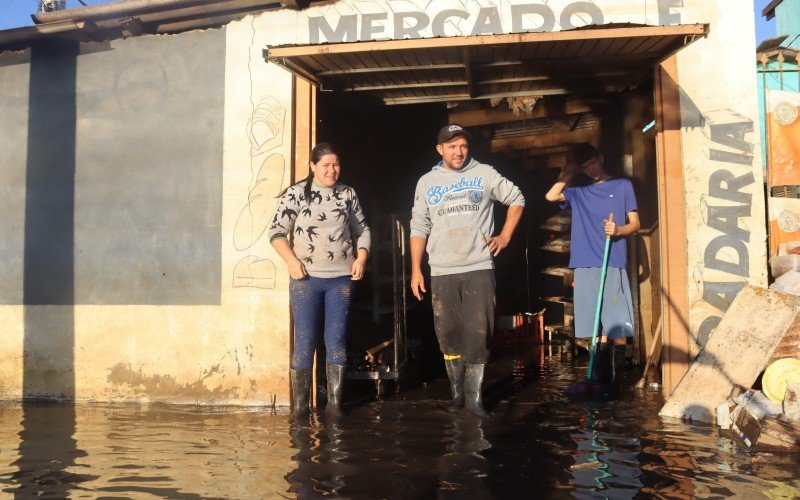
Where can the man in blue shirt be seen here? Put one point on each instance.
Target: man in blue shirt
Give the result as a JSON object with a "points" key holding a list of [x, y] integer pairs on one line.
{"points": [[591, 205]]}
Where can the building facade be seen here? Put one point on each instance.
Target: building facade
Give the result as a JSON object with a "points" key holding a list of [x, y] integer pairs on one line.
{"points": [[140, 172]]}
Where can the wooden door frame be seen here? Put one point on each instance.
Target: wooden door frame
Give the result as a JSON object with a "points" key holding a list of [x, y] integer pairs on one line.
{"points": [[672, 239]]}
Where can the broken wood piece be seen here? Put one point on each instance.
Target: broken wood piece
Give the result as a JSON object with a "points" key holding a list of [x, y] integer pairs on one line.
{"points": [[372, 351], [736, 352], [782, 430], [651, 355], [745, 426], [769, 443]]}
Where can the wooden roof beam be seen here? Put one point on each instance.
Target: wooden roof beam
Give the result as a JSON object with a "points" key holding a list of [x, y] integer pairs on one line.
{"points": [[297, 70], [295, 4], [687, 31], [539, 78], [553, 106], [402, 86], [385, 69], [528, 142], [466, 97]]}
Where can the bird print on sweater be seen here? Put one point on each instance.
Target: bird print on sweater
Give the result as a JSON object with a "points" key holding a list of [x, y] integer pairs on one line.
{"points": [[329, 223]]}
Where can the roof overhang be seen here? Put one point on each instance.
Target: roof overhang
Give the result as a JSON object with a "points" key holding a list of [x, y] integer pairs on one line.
{"points": [[594, 59], [769, 10], [122, 19]]}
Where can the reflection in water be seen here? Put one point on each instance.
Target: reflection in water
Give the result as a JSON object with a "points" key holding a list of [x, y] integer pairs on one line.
{"points": [[605, 462], [463, 469], [47, 450], [538, 445]]}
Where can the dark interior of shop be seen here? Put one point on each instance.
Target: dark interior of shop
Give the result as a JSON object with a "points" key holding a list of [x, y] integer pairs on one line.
{"points": [[385, 149]]}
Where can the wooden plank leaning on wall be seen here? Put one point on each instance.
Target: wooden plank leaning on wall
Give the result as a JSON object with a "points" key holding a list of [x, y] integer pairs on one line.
{"points": [[674, 302]]}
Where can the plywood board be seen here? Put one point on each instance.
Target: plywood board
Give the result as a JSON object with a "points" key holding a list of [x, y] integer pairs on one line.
{"points": [[736, 352]]}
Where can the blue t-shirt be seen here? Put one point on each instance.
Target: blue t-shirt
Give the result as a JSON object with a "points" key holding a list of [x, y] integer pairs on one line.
{"points": [[590, 208]]}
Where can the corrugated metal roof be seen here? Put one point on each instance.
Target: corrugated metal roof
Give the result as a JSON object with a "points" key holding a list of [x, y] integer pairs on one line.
{"points": [[127, 18], [596, 59]]}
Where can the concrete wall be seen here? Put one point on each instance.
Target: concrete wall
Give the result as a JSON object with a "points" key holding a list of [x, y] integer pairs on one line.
{"points": [[130, 248], [722, 165], [787, 21]]}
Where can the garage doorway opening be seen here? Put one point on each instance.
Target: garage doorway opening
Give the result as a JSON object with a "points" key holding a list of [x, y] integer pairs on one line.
{"points": [[527, 99]]}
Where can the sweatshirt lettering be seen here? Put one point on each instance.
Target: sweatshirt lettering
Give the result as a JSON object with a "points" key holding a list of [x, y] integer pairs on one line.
{"points": [[435, 194]]}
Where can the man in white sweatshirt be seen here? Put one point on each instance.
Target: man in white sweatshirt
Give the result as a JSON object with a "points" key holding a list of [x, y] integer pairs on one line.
{"points": [[453, 219]]}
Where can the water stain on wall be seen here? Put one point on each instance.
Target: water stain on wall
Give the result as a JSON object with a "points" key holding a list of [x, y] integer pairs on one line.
{"points": [[122, 374]]}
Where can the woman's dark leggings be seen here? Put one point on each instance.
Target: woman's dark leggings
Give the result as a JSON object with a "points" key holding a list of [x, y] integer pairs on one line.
{"points": [[320, 303]]}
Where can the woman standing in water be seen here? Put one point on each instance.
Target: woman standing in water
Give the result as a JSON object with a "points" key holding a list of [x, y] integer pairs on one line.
{"points": [[327, 252]]}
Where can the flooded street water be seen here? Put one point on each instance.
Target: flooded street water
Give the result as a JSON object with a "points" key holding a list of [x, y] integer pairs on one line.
{"points": [[539, 445]]}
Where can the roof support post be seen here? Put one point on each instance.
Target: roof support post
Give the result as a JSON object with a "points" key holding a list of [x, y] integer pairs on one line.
{"points": [[468, 71], [672, 221]]}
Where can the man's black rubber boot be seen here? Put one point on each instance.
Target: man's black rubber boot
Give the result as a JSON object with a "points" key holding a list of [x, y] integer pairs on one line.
{"points": [[301, 387], [601, 371], [335, 375], [455, 372], [473, 380], [618, 366]]}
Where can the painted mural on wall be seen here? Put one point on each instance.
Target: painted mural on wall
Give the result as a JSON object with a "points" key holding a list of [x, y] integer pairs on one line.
{"points": [[258, 148], [724, 208], [266, 132]]}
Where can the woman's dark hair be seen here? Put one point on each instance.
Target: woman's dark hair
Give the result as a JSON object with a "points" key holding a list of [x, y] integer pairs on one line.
{"points": [[320, 150]]}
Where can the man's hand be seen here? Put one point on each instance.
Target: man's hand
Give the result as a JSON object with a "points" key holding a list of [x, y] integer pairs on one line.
{"points": [[611, 228], [568, 174], [497, 243], [417, 284], [296, 269]]}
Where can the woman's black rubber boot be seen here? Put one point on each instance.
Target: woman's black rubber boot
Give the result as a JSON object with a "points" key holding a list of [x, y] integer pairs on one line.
{"points": [[335, 375], [301, 387]]}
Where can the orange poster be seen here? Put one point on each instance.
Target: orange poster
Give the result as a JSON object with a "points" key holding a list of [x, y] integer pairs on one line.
{"points": [[783, 137], [784, 225]]}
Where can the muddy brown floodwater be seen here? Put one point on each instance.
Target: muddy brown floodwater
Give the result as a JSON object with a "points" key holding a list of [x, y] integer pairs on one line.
{"points": [[539, 445]]}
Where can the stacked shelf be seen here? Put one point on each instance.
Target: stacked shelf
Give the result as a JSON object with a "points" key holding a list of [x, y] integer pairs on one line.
{"points": [[557, 278]]}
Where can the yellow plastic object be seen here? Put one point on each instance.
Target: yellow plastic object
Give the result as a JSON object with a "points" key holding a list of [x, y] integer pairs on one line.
{"points": [[777, 375]]}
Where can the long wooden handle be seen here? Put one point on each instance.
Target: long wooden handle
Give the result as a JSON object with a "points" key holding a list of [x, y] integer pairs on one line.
{"points": [[650, 355]]}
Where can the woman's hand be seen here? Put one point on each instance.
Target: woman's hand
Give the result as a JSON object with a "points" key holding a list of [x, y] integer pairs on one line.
{"points": [[296, 269], [357, 270]]}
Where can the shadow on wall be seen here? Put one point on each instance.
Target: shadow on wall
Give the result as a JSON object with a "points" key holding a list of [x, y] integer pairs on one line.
{"points": [[123, 188], [49, 269]]}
